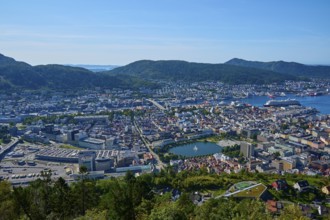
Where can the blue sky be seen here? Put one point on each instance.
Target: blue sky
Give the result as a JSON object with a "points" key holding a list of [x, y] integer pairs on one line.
{"points": [[120, 32]]}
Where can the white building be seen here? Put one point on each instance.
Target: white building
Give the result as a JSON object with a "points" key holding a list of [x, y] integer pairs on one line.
{"points": [[92, 143]]}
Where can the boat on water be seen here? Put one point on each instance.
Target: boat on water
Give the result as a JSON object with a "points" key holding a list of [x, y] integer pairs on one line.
{"points": [[281, 103], [271, 96], [195, 148], [314, 93]]}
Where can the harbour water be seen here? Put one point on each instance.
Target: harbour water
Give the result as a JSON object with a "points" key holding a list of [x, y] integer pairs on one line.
{"points": [[196, 149], [321, 103]]}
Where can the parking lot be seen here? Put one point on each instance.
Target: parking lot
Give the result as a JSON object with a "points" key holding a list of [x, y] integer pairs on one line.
{"points": [[25, 173], [20, 167]]}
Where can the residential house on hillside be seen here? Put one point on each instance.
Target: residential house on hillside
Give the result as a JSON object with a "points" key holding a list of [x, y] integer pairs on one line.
{"points": [[301, 185], [326, 190], [280, 185], [274, 206]]}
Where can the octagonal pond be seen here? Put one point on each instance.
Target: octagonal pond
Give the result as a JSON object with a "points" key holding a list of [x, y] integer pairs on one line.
{"points": [[196, 149]]}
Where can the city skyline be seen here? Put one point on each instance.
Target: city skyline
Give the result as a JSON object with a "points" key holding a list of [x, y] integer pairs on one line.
{"points": [[118, 33]]}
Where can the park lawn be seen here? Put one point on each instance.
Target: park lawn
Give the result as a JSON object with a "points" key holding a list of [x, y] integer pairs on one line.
{"points": [[215, 192], [254, 192], [243, 185], [201, 183], [213, 138], [68, 146]]}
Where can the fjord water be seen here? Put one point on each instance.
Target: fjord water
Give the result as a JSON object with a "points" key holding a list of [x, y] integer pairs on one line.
{"points": [[196, 149], [321, 103]]}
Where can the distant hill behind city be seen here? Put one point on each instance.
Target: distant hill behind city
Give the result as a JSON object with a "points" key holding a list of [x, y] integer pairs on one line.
{"points": [[94, 68], [187, 71], [293, 68], [20, 75], [144, 73]]}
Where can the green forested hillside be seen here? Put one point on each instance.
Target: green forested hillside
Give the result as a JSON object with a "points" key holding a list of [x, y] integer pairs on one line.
{"points": [[193, 72], [151, 196], [295, 69], [16, 75]]}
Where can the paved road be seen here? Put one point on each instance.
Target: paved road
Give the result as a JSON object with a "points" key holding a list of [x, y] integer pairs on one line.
{"points": [[156, 104], [160, 165], [8, 147]]}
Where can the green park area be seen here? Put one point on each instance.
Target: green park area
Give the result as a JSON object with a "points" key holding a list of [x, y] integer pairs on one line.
{"points": [[68, 146], [254, 192]]}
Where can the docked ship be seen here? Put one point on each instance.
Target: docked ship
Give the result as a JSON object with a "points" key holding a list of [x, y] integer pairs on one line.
{"points": [[281, 103]]}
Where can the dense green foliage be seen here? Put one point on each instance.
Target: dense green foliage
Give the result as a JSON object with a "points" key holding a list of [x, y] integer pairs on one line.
{"points": [[148, 196], [181, 70], [231, 151], [292, 68], [9, 208], [18, 74], [4, 135]]}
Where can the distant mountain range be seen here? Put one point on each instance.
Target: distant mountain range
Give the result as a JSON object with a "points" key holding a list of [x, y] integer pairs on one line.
{"points": [[94, 68], [144, 73], [181, 70], [16, 75], [296, 69]]}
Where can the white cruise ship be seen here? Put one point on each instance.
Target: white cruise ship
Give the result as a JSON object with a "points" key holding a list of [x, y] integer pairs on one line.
{"points": [[279, 103]]}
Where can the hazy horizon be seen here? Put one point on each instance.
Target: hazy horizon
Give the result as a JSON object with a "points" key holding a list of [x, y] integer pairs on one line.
{"points": [[118, 33], [116, 65]]}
